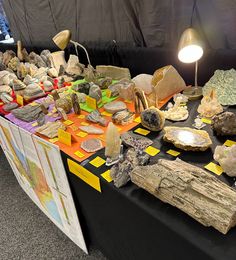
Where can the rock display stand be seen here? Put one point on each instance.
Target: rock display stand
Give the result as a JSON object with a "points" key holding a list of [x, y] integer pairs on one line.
{"points": [[191, 189]]}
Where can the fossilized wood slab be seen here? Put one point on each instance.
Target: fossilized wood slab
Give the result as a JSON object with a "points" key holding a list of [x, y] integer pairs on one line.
{"points": [[191, 189]]}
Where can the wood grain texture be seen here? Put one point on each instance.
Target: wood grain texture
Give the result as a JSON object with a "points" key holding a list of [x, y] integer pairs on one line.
{"points": [[191, 189]]}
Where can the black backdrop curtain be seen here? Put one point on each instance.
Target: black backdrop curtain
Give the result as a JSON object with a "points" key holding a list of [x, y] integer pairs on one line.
{"points": [[143, 23]]}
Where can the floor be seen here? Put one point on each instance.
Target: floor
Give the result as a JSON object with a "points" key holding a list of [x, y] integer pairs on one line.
{"points": [[25, 232]]}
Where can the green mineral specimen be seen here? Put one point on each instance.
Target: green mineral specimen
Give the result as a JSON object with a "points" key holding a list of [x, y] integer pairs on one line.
{"points": [[224, 83]]}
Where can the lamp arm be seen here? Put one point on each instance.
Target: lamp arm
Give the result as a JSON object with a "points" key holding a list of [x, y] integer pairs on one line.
{"points": [[196, 72], [80, 45]]}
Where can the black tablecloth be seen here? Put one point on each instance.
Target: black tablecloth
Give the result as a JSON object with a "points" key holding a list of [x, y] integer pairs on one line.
{"points": [[130, 223]]}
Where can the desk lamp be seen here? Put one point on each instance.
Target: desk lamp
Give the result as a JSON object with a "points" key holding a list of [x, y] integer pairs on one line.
{"points": [[63, 38], [190, 50]]}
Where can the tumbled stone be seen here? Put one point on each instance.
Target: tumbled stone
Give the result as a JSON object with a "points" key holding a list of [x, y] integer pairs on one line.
{"points": [[91, 130], [114, 106]]}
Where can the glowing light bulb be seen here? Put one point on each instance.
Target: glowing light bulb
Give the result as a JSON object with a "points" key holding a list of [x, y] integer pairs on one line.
{"points": [[190, 53]]}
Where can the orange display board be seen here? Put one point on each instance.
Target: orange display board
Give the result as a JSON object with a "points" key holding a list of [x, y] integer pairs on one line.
{"points": [[77, 136]]}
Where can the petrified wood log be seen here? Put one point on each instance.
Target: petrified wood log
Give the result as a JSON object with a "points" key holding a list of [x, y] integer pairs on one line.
{"points": [[191, 189]]}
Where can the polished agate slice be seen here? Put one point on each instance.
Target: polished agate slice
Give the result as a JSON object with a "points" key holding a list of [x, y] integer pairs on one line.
{"points": [[91, 145], [187, 138]]}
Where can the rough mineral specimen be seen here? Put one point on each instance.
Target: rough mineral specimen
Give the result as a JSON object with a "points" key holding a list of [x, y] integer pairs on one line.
{"points": [[177, 112], [6, 77], [28, 113], [153, 119], [10, 106], [29, 80], [18, 85], [75, 104], [95, 92], [138, 142], [144, 82], [224, 124], [5, 89], [91, 130], [123, 117], [13, 63], [91, 145], [73, 66], [50, 129], [45, 55], [113, 142], [113, 72], [57, 59], [209, 106], [191, 189], [52, 72], [48, 86], [96, 117], [167, 81], [120, 172], [186, 138], [126, 90], [104, 83], [6, 98], [114, 106], [224, 83], [82, 88], [7, 56], [226, 157], [33, 91], [40, 73], [64, 103]]}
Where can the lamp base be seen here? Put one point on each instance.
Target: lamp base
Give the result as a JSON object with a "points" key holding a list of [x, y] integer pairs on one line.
{"points": [[193, 93]]}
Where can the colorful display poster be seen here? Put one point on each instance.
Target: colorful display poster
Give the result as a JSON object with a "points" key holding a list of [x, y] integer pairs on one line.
{"points": [[38, 167]]}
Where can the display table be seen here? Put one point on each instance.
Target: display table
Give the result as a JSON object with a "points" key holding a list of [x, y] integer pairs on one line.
{"points": [[129, 223]]}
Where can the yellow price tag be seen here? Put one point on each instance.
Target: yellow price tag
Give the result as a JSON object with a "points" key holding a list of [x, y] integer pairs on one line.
{"points": [[53, 140], [68, 122], [81, 116], [128, 101], [142, 131], [82, 134], [152, 150], [84, 175], [64, 137], [105, 113], [206, 121], [84, 123], [173, 153], [91, 102], [137, 120], [1, 103], [229, 143], [33, 104], [35, 124], [108, 93], [20, 100], [74, 127], [79, 154], [97, 162], [212, 167], [106, 175]]}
